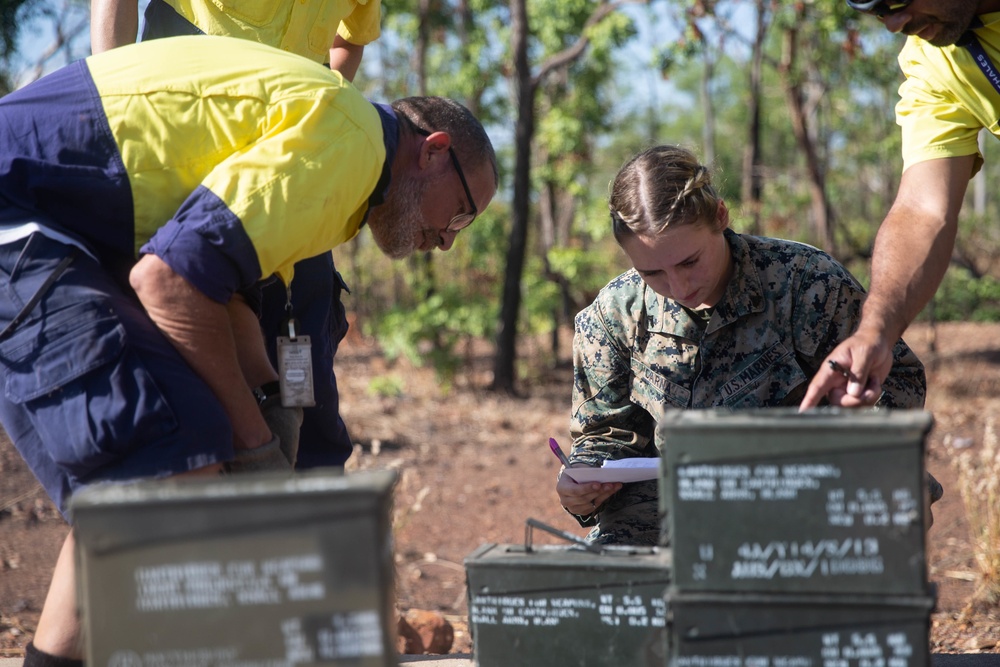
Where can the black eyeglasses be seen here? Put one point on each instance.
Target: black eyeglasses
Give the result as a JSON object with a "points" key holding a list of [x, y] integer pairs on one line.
{"points": [[462, 220], [879, 8]]}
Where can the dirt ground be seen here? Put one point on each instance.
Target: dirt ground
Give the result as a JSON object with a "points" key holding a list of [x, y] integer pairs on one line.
{"points": [[474, 466]]}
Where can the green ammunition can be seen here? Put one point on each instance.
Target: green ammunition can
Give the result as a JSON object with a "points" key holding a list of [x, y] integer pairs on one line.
{"points": [[756, 630], [250, 571], [831, 501], [567, 606]]}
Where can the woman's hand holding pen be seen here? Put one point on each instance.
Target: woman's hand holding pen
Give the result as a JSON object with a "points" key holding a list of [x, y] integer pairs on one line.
{"points": [[581, 499]]}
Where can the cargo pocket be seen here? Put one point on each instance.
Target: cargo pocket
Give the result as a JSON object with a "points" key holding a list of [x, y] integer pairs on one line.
{"points": [[86, 392]]}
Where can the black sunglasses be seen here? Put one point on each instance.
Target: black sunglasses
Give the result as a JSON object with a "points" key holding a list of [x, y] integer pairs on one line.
{"points": [[879, 8], [462, 220]]}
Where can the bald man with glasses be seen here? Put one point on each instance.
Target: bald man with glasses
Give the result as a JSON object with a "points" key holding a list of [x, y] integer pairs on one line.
{"points": [[141, 191]]}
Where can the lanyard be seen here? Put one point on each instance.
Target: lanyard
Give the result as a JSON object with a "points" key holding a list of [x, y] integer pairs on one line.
{"points": [[972, 43]]}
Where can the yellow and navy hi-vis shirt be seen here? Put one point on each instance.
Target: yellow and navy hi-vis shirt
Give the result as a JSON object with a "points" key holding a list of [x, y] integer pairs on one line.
{"points": [[946, 99], [229, 160], [305, 28]]}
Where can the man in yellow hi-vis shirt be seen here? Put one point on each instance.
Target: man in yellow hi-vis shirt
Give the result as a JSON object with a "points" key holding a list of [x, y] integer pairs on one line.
{"points": [[141, 190], [332, 32]]}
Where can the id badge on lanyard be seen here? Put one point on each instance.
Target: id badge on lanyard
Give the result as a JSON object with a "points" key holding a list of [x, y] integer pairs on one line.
{"points": [[295, 369]]}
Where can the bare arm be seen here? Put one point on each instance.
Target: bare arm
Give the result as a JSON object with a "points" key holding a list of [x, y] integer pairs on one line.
{"points": [[202, 332], [915, 243], [250, 347], [113, 23], [344, 57], [912, 251]]}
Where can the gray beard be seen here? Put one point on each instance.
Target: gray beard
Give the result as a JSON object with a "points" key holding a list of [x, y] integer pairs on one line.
{"points": [[396, 223]]}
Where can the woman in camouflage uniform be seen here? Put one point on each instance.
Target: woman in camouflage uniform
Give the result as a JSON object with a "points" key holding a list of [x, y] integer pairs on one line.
{"points": [[706, 318]]}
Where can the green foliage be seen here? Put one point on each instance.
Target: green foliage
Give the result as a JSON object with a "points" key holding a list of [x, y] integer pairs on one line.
{"points": [[607, 105], [540, 298], [13, 13], [587, 269], [386, 386], [426, 308], [464, 60], [432, 329], [575, 107], [963, 297]]}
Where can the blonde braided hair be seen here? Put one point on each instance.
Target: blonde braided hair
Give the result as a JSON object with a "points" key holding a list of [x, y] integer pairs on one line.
{"points": [[659, 187]]}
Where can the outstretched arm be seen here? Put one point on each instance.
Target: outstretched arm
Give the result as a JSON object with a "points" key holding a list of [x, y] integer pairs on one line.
{"points": [[912, 251]]}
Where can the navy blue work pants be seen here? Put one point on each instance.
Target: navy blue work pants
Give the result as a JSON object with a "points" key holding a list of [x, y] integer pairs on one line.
{"points": [[92, 391]]}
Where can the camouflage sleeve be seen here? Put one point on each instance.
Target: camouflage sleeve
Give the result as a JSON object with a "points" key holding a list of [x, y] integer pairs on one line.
{"points": [[906, 386], [827, 309], [605, 423]]}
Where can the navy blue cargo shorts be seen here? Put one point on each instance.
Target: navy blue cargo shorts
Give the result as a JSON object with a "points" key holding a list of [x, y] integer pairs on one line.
{"points": [[92, 391]]}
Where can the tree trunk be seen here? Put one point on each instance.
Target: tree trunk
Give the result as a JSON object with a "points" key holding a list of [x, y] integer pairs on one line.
{"points": [[751, 187], [524, 93], [422, 264], [820, 207], [708, 108], [525, 86]]}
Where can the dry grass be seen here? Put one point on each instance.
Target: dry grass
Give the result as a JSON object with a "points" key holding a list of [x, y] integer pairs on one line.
{"points": [[979, 481]]}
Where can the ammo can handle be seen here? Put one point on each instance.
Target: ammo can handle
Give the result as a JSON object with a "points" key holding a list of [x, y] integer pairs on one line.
{"points": [[530, 523]]}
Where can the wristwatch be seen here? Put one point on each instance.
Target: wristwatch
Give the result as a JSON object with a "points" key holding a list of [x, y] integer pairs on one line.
{"points": [[266, 391]]}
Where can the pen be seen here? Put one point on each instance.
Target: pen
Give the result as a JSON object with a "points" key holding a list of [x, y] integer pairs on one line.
{"points": [[840, 369], [557, 450]]}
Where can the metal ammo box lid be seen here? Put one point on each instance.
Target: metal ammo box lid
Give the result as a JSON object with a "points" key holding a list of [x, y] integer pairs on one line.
{"points": [[567, 606], [828, 501], [756, 630], [252, 570]]}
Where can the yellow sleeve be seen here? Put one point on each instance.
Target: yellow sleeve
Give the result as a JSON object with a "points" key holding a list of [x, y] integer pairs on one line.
{"points": [[306, 182], [363, 26], [937, 119]]}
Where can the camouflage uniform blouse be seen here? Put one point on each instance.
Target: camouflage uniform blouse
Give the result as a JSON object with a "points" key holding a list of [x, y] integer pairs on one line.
{"points": [[637, 354]]}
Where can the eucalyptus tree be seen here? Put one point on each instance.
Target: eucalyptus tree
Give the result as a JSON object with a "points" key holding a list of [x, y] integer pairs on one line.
{"points": [[433, 47], [548, 41], [836, 100], [751, 186]]}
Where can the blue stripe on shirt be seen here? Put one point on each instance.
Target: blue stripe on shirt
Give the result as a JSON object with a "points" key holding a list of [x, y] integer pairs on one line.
{"points": [[204, 224], [60, 165]]}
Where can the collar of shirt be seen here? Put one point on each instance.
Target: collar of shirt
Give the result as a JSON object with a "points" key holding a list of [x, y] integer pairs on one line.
{"points": [[390, 135], [987, 20], [743, 296]]}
